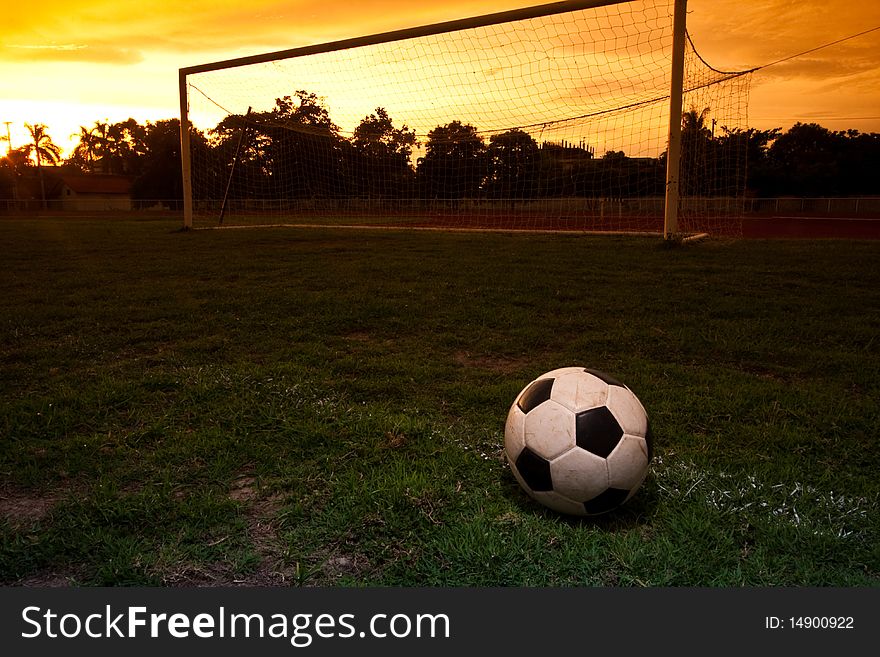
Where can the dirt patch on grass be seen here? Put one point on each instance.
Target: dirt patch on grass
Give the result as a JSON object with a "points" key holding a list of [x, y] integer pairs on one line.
{"points": [[263, 513], [274, 569], [244, 489], [20, 508], [342, 565]]}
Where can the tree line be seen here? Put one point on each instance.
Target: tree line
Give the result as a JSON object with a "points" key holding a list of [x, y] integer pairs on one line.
{"points": [[148, 154], [295, 150]]}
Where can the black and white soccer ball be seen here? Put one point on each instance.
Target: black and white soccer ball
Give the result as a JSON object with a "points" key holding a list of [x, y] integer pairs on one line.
{"points": [[578, 441]]}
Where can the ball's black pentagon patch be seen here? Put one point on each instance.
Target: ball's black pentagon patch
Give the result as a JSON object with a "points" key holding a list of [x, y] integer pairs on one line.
{"points": [[610, 499], [610, 380], [535, 470], [535, 395], [597, 431]]}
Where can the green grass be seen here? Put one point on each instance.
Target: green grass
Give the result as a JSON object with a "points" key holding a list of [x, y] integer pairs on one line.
{"points": [[326, 407]]}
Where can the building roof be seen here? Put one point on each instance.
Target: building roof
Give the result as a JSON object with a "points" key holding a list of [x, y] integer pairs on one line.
{"points": [[96, 183]]}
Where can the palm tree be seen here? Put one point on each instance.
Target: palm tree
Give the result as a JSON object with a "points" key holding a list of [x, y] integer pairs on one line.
{"points": [[115, 144], [694, 120], [86, 151], [697, 151], [102, 145], [41, 148]]}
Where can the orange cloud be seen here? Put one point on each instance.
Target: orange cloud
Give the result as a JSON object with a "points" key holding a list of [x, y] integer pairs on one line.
{"points": [[748, 34], [70, 52], [90, 29]]}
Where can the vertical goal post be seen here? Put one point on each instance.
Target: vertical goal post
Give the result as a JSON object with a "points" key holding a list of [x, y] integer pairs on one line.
{"points": [[676, 91], [546, 109]]}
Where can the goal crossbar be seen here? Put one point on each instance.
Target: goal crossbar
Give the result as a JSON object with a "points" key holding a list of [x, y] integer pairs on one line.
{"points": [[457, 25]]}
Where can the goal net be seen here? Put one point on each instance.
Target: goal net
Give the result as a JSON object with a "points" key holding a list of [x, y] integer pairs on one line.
{"points": [[553, 117]]}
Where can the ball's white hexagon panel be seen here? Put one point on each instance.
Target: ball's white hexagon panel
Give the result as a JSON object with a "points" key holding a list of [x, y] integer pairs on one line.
{"points": [[549, 430], [579, 391], [628, 410], [579, 475], [514, 433], [628, 463]]}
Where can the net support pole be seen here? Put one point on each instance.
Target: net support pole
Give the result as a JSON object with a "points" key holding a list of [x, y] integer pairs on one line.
{"points": [[241, 137], [676, 91], [185, 155]]}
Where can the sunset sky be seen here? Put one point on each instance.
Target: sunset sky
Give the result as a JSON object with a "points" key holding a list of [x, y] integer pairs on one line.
{"points": [[69, 63]]}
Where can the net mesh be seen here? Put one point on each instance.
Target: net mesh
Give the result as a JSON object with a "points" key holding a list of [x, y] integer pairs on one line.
{"points": [[557, 122], [714, 145]]}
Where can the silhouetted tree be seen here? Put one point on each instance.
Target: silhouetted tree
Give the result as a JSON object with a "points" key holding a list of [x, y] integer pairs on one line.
{"points": [[12, 167], [293, 150], [860, 166], [382, 152], [42, 149], [110, 148], [810, 160], [698, 162], [251, 158], [694, 122], [86, 151], [454, 165], [513, 158], [129, 150], [103, 146], [614, 176], [304, 148], [751, 146], [161, 177]]}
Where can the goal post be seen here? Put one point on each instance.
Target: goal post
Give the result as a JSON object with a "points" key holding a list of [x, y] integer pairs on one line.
{"points": [[676, 90], [185, 151], [557, 116]]}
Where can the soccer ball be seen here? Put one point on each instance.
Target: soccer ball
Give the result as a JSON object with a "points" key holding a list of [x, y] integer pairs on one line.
{"points": [[578, 441]]}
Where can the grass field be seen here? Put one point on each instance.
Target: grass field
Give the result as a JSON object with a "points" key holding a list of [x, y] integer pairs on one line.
{"points": [[326, 407]]}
